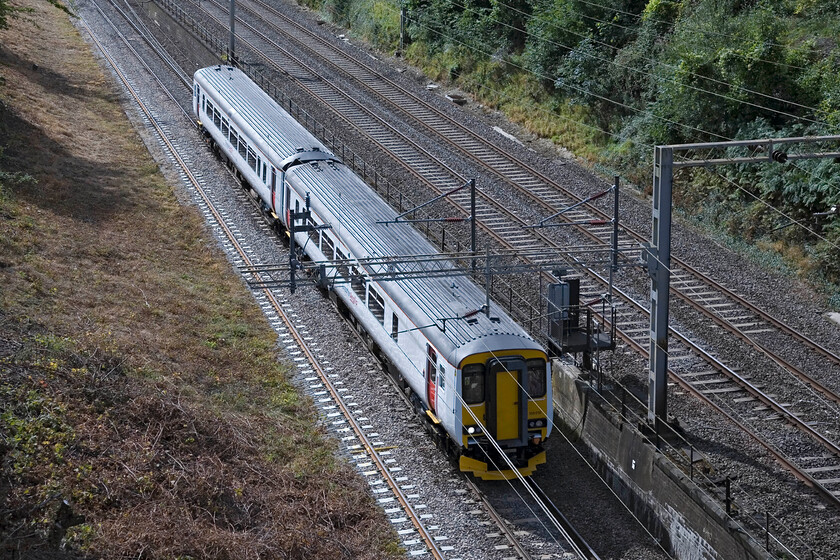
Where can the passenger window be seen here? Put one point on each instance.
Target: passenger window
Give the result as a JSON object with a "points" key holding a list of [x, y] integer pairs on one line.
{"points": [[209, 109], [536, 378], [395, 326], [225, 128], [431, 365], [473, 384], [342, 267], [243, 148], [217, 119], [327, 246], [442, 377], [314, 234], [357, 282], [252, 159], [376, 304]]}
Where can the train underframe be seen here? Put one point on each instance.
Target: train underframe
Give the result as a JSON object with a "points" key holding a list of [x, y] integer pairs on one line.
{"points": [[490, 464]]}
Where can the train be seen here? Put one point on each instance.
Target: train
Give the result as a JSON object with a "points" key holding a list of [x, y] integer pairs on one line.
{"points": [[480, 381]]}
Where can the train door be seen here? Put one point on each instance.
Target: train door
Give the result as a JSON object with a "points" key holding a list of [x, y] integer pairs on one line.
{"points": [[286, 204], [507, 405], [431, 376], [273, 189]]}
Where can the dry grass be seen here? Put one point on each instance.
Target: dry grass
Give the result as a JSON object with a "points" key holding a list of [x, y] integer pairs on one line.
{"points": [[138, 380]]}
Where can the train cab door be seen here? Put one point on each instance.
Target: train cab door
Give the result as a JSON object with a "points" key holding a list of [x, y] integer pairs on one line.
{"points": [[431, 376], [507, 405]]}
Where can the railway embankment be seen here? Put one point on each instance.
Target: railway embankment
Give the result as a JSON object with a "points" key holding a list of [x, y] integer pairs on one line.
{"points": [[143, 410], [690, 523]]}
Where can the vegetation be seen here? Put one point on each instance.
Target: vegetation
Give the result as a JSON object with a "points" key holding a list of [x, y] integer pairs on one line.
{"points": [[143, 410], [610, 80]]}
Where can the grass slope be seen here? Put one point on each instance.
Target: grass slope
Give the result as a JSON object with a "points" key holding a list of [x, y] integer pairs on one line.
{"points": [[143, 411]]}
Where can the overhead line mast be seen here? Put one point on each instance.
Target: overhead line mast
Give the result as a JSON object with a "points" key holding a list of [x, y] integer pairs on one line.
{"points": [[657, 254]]}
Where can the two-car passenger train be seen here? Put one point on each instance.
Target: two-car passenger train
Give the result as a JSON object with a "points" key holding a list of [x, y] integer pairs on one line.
{"points": [[481, 381]]}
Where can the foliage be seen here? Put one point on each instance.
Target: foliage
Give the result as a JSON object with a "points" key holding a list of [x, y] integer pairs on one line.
{"points": [[8, 179], [33, 428], [377, 21], [6, 11]]}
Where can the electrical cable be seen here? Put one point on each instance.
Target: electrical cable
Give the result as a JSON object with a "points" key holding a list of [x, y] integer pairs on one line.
{"points": [[639, 111], [581, 90], [673, 25], [670, 66]]}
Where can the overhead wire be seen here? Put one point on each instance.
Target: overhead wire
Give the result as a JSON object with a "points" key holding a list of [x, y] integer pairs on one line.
{"points": [[618, 103], [471, 411], [651, 75], [576, 88], [689, 29]]}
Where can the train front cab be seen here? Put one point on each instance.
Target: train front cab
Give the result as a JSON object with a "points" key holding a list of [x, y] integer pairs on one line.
{"points": [[506, 394]]}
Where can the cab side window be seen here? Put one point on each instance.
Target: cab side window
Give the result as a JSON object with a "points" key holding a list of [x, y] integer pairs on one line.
{"points": [[473, 384], [536, 378]]}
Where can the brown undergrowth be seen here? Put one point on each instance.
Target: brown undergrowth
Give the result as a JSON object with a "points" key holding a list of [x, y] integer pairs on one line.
{"points": [[143, 411]]}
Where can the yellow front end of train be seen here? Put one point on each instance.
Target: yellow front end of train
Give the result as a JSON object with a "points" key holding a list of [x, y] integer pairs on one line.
{"points": [[506, 413]]}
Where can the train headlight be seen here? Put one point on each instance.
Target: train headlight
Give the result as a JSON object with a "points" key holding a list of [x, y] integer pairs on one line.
{"points": [[539, 423], [471, 430]]}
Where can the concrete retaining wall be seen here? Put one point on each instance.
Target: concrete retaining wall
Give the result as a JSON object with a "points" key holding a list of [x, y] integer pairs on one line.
{"points": [[689, 524]]}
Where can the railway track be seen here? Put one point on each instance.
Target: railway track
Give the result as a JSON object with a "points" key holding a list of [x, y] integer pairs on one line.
{"points": [[697, 370], [361, 444], [361, 452]]}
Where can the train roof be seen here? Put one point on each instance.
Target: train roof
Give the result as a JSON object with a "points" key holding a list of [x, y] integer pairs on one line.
{"points": [[276, 129], [354, 210], [344, 200]]}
